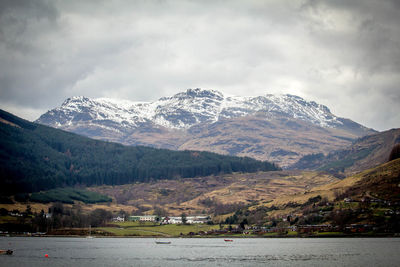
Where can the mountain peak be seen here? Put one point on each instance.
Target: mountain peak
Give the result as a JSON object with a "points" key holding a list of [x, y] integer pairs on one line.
{"points": [[196, 93], [75, 99]]}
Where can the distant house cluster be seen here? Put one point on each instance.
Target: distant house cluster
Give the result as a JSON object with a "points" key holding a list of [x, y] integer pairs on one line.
{"points": [[170, 219]]}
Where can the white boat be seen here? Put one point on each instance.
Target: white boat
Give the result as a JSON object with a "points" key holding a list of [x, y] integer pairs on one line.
{"points": [[90, 232], [163, 242]]}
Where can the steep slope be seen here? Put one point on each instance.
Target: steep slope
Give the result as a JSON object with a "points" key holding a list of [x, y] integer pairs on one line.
{"points": [[173, 122], [381, 182], [34, 157], [280, 139], [365, 153]]}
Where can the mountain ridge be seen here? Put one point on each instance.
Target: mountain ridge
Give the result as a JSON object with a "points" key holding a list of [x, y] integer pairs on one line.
{"points": [[193, 107], [175, 122]]}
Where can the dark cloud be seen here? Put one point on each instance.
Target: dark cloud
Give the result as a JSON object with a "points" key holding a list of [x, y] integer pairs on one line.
{"points": [[344, 54]]}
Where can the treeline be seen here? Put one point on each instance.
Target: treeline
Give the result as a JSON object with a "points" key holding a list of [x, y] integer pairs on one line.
{"points": [[67, 195], [34, 157], [58, 216]]}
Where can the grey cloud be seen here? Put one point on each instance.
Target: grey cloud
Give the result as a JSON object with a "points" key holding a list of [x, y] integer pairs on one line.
{"points": [[328, 51], [372, 44]]}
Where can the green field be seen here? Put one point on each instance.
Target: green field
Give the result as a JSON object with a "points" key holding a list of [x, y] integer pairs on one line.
{"points": [[8, 219], [149, 229], [322, 234]]}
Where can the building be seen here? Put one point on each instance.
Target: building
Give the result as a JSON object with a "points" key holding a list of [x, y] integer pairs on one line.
{"points": [[133, 218], [118, 219], [189, 219], [170, 219], [198, 219], [143, 218]]}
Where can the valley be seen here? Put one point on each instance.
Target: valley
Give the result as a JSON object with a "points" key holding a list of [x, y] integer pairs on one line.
{"points": [[336, 173], [282, 203]]}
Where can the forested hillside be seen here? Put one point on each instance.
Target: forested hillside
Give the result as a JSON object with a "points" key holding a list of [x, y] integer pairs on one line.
{"points": [[34, 157]]}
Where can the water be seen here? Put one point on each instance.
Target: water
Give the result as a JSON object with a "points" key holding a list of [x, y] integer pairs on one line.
{"points": [[30, 251]]}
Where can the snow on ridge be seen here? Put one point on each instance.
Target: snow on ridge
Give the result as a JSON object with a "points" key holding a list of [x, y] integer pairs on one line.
{"points": [[194, 106], [127, 104]]}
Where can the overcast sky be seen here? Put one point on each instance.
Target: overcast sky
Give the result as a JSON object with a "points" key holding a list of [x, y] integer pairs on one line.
{"points": [[344, 54]]}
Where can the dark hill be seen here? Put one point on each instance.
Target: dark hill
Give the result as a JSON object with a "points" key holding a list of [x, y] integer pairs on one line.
{"points": [[34, 157]]}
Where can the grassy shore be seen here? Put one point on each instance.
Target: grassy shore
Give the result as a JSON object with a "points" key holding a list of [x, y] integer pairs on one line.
{"points": [[151, 229], [136, 229]]}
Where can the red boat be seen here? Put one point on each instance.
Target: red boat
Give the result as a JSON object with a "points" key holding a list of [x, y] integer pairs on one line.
{"points": [[6, 252]]}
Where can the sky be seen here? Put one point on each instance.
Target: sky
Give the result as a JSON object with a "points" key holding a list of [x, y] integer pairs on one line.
{"points": [[344, 54]]}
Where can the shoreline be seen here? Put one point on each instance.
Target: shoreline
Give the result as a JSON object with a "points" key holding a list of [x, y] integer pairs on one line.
{"points": [[378, 235]]}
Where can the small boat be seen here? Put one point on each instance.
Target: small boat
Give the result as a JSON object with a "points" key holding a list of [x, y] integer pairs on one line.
{"points": [[90, 232], [6, 252], [163, 242], [228, 240]]}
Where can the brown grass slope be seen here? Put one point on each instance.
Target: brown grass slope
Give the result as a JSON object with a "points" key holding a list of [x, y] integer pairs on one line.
{"points": [[280, 140], [382, 182], [214, 193], [383, 143], [222, 194], [365, 153]]}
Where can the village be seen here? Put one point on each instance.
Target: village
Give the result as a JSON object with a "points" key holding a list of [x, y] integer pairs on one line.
{"points": [[165, 219]]}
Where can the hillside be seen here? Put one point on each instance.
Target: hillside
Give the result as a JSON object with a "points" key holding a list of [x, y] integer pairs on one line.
{"points": [[268, 127], [219, 194], [281, 139], [381, 181], [281, 203], [34, 157], [365, 203], [365, 153]]}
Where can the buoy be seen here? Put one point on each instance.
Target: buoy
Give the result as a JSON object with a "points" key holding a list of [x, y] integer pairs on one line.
{"points": [[46, 255]]}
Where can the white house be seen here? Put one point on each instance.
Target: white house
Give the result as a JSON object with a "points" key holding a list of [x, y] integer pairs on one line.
{"points": [[198, 219], [148, 218], [118, 219], [189, 219], [170, 219]]}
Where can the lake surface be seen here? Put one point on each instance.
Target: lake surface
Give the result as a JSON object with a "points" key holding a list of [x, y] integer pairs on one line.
{"points": [[30, 251]]}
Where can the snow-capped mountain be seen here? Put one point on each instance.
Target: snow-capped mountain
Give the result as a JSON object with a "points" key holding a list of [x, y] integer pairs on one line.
{"points": [[186, 109], [171, 122]]}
